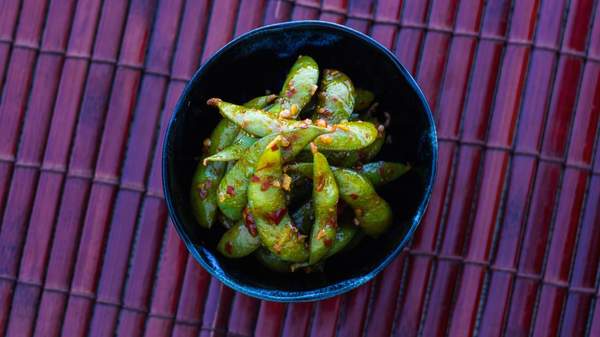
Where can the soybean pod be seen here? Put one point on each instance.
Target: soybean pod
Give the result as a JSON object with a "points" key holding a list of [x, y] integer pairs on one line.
{"points": [[206, 177]]}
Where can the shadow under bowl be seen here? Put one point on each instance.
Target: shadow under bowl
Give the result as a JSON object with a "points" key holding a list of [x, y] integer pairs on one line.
{"points": [[257, 61]]}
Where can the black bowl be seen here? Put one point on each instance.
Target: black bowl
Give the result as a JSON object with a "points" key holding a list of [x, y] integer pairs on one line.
{"points": [[259, 60]]}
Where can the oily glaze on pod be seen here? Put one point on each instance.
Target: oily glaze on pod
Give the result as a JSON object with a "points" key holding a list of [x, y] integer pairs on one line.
{"points": [[266, 202], [207, 175]]}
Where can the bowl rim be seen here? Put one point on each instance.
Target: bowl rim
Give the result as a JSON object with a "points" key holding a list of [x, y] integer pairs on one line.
{"points": [[329, 290]]}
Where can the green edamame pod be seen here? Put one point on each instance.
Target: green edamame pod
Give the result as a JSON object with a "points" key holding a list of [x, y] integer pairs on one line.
{"points": [[206, 177], [272, 261], [299, 86], [335, 100], [345, 136], [372, 213], [325, 200], [234, 151], [266, 202], [364, 99], [378, 173], [382, 172], [231, 191], [240, 240], [343, 237], [348, 136], [304, 217]]}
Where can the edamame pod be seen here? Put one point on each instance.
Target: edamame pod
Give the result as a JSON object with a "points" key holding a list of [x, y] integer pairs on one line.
{"points": [[240, 240], [348, 136], [335, 100], [234, 151], [363, 100], [266, 202], [345, 136], [379, 173], [325, 200], [382, 172], [372, 213], [299, 86], [272, 261], [231, 191], [206, 177], [343, 237]]}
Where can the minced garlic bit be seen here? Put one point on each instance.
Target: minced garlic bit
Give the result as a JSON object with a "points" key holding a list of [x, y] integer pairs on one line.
{"points": [[276, 183], [313, 89], [294, 109], [313, 148], [206, 142], [307, 121], [356, 222], [284, 142], [380, 130], [321, 123], [286, 182], [285, 113], [326, 139]]}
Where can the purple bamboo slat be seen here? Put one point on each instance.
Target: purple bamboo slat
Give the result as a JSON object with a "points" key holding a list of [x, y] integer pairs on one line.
{"points": [[137, 159], [450, 109], [9, 14], [334, 10], [360, 13], [297, 320], [270, 319], [385, 294], [325, 317], [409, 40], [82, 156], [307, 10], [351, 323], [35, 130], [277, 11]]}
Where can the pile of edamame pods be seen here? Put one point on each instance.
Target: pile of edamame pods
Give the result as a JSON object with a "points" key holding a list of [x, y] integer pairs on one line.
{"points": [[290, 175]]}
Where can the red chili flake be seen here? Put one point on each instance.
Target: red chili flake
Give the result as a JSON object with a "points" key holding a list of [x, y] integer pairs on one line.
{"points": [[255, 179], [354, 196], [292, 90], [276, 216], [358, 166], [328, 242], [320, 183], [229, 247], [382, 171], [332, 222], [249, 222], [274, 147], [265, 185], [230, 191]]}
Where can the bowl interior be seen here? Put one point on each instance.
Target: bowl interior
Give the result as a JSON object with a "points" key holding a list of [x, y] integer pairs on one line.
{"points": [[258, 61]]}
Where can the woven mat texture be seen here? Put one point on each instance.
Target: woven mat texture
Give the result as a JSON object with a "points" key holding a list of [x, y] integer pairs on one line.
{"points": [[510, 244]]}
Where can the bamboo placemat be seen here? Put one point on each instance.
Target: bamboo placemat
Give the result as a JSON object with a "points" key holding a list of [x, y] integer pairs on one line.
{"points": [[510, 245]]}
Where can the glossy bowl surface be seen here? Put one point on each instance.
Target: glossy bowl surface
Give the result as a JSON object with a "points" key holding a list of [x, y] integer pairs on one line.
{"points": [[259, 60]]}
